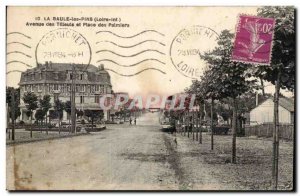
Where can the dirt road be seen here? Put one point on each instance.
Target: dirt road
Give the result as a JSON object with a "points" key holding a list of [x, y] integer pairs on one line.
{"points": [[123, 157]]}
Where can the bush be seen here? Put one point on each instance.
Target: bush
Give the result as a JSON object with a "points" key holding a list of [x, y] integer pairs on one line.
{"points": [[21, 122], [51, 126]]}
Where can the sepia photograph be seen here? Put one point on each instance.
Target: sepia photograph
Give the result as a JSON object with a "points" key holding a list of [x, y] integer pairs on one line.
{"points": [[151, 98]]}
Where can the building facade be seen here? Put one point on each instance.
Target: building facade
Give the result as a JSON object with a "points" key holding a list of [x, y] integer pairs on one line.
{"points": [[264, 112], [55, 79]]}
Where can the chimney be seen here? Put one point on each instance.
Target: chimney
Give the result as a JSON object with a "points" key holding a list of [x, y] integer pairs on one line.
{"points": [[50, 64], [101, 67]]}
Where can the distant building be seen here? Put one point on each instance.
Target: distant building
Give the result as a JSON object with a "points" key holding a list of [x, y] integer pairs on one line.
{"points": [[55, 79], [264, 112]]}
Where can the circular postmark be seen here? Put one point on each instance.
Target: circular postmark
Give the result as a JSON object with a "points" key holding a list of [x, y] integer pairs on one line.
{"points": [[187, 46], [63, 45]]}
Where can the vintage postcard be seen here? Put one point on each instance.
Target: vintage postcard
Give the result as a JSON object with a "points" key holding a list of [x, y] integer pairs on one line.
{"points": [[150, 98]]}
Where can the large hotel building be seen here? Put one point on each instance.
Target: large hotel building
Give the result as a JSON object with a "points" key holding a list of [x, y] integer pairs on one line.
{"points": [[55, 79]]}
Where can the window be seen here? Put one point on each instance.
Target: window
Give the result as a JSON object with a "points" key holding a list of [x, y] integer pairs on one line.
{"points": [[102, 89], [81, 99], [81, 77], [32, 76], [82, 88], [97, 87], [77, 88], [71, 76], [41, 76], [55, 86], [39, 87], [97, 99]]}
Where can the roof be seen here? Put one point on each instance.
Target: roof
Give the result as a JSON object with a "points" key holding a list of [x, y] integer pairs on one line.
{"points": [[285, 102], [58, 73], [67, 66]]}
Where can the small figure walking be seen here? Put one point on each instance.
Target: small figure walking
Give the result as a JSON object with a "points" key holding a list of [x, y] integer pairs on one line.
{"points": [[134, 121], [130, 120]]}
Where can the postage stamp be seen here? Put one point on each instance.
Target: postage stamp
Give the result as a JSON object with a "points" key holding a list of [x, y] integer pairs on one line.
{"points": [[186, 47], [253, 40]]}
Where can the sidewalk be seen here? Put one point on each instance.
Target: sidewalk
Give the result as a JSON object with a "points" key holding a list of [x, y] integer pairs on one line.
{"points": [[212, 169]]}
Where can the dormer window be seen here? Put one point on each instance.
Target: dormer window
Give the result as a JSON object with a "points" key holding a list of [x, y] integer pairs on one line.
{"points": [[81, 76]]}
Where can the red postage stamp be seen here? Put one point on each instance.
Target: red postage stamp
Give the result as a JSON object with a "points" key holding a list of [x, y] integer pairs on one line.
{"points": [[253, 40]]}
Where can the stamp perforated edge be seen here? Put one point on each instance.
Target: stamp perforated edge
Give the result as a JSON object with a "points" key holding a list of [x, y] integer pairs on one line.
{"points": [[271, 48]]}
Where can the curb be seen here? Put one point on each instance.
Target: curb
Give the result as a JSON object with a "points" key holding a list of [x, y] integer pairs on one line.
{"points": [[43, 139]]}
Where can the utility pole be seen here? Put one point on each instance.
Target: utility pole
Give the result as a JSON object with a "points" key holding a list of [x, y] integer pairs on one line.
{"points": [[13, 104], [7, 119], [275, 156], [212, 123], [73, 109]]}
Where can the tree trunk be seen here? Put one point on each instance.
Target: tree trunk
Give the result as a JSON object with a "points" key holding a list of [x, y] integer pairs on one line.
{"points": [[31, 125], [47, 123], [234, 123], [276, 134], [197, 125], [59, 127], [189, 124], [92, 124], [70, 123], [200, 124], [262, 86], [186, 123], [212, 123], [13, 115], [193, 124]]}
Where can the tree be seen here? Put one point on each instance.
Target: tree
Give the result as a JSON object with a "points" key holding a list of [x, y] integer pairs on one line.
{"points": [[283, 53], [45, 104], [227, 78], [79, 113], [59, 109], [13, 109], [31, 103], [199, 88], [93, 114], [281, 72], [16, 92], [39, 115], [68, 110]]}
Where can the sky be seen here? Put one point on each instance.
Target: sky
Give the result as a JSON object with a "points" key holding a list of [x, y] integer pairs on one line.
{"points": [[141, 46]]}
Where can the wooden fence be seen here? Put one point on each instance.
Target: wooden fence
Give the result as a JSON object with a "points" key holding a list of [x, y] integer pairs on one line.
{"points": [[286, 131]]}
